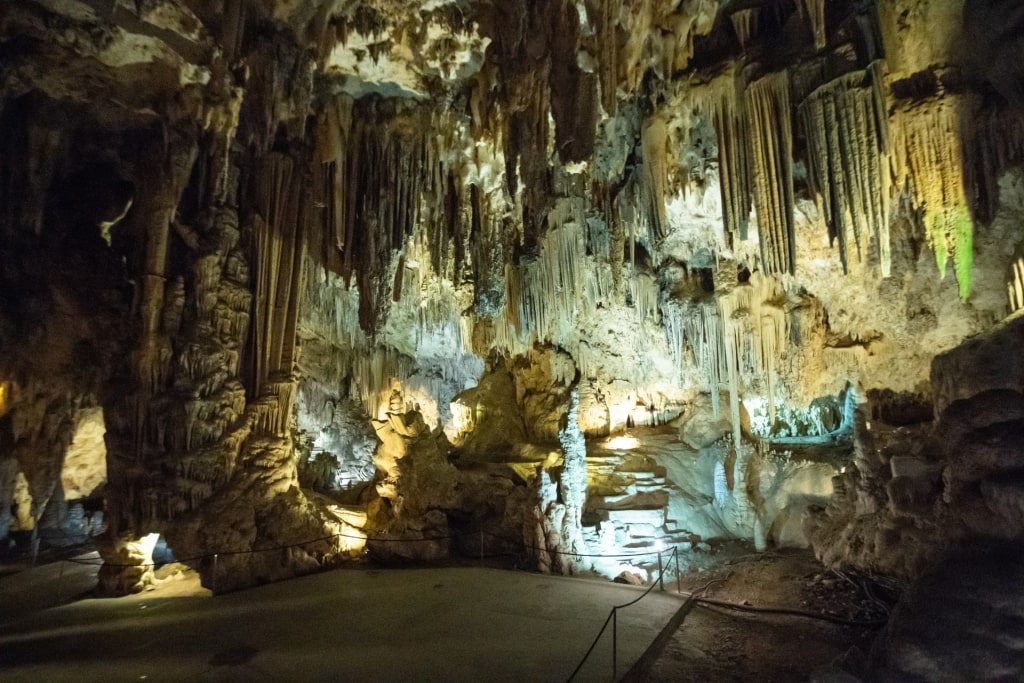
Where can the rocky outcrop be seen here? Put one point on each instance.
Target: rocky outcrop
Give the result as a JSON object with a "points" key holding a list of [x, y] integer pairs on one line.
{"points": [[957, 621], [915, 492]]}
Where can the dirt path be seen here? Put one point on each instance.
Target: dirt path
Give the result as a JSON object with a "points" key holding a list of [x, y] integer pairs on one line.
{"points": [[715, 644]]}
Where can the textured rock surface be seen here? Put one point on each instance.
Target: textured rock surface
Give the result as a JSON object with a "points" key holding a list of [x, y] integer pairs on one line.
{"points": [[914, 492], [333, 271], [959, 621]]}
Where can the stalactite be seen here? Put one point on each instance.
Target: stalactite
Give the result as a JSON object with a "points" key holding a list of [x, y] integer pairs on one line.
{"points": [[993, 142], [697, 327], [769, 109], [848, 158], [1015, 285], [815, 13], [279, 230], [927, 160], [43, 152], [720, 99], [654, 143], [332, 147], [754, 333], [607, 19], [744, 22]]}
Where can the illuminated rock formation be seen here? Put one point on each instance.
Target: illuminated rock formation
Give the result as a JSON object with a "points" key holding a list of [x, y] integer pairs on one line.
{"points": [[371, 277]]}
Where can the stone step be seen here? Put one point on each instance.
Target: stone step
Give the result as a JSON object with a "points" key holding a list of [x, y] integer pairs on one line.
{"points": [[645, 532], [672, 527], [607, 502], [652, 516], [643, 500], [352, 515]]}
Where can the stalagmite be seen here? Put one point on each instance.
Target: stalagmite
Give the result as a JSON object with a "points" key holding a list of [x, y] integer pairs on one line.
{"points": [[572, 488], [769, 110], [848, 157]]}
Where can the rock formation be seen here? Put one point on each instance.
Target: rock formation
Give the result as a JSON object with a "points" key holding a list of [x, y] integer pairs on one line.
{"points": [[559, 279]]}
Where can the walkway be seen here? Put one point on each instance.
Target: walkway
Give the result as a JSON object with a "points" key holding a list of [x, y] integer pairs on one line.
{"points": [[453, 624]]}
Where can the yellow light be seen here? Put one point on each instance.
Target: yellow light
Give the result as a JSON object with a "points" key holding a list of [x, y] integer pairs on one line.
{"points": [[623, 442]]}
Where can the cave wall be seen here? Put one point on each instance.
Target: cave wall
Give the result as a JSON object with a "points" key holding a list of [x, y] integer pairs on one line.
{"points": [[304, 257]]}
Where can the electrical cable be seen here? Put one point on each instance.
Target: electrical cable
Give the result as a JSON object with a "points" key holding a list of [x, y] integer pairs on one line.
{"points": [[710, 603]]}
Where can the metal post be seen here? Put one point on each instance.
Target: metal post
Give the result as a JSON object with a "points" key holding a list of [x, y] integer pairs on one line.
{"points": [[615, 642], [214, 582], [679, 588], [60, 584], [35, 544], [661, 574]]}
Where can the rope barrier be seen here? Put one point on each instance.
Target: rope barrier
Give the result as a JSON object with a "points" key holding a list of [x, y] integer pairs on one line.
{"points": [[374, 539], [613, 618]]}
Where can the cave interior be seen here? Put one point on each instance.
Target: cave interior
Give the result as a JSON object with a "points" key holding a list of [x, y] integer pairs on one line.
{"points": [[341, 283]]}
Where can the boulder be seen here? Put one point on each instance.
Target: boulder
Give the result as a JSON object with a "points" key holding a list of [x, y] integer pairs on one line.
{"points": [[994, 360], [960, 621]]}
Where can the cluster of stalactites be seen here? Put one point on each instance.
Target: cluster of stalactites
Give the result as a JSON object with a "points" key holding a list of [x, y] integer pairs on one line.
{"points": [[739, 337], [388, 173], [771, 135], [846, 124], [815, 13], [754, 331], [927, 162], [543, 293], [278, 229], [723, 101], [694, 335], [744, 23], [547, 297], [755, 150], [425, 321]]}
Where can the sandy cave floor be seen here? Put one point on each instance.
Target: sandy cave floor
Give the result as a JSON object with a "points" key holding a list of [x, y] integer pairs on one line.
{"points": [[717, 644], [712, 644]]}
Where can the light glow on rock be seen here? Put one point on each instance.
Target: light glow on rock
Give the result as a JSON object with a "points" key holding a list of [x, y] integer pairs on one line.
{"points": [[623, 442]]}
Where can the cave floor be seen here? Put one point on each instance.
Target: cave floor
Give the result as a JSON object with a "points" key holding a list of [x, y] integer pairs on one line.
{"points": [[449, 624], [718, 645]]}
